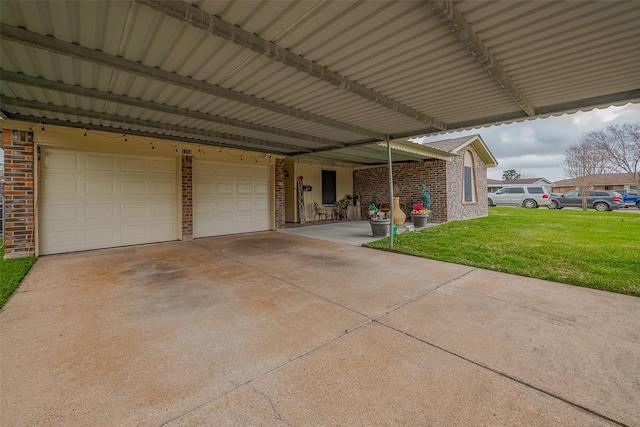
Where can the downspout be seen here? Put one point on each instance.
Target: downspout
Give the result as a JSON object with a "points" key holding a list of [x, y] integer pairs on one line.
{"points": [[390, 167]]}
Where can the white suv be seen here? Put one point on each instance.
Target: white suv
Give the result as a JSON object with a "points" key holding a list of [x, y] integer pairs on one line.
{"points": [[527, 196]]}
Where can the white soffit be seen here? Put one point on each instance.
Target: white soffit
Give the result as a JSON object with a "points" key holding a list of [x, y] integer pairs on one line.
{"points": [[308, 78]]}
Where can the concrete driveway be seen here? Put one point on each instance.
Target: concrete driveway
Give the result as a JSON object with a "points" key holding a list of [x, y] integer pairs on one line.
{"points": [[275, 329]]}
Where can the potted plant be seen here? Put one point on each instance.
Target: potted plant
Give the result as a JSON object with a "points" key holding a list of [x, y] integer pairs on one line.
{"points": [[380, 224], [420, 211]]}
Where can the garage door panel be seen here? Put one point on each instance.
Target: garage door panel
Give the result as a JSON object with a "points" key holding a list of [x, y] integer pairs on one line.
{"points": [[99, 212], [62, 161], [203, 208], [225, 189], [99, 187], [64, 186], [63, 212], [133, 188], [244, 189], [159, 210], [160, 232], [133, 233], [129, 164], [133, 210], [240, 199], [223, 207], [163, 188], [244, 206], [261, 206], [261, 189], [112, 200], [66, 239], [99, 163]]}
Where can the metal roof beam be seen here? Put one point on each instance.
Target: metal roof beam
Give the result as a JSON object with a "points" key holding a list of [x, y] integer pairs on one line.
{"points": [[241, 141], [51, 44], [198, 18], [148, 105], [460, 27]]}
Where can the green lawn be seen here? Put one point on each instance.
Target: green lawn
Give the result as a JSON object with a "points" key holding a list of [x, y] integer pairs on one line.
{"points": [[11, 273], [598, 250]]}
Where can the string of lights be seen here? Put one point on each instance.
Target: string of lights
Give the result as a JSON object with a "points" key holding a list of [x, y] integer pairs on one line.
{"points": [[176, 146]]}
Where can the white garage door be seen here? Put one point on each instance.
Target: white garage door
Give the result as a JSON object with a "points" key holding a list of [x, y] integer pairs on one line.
{"points": [[229, 199], [99, 200]]}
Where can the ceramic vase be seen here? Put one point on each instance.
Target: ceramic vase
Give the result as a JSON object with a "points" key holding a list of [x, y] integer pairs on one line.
{"points": [[398, 215]]}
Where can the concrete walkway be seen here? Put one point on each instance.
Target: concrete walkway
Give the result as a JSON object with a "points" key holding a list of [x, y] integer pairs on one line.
{"points": [[355, 233], [274, 329]]}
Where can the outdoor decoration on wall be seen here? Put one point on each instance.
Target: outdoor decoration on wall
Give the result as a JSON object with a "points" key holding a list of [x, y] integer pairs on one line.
{"points": [[301, 210]]}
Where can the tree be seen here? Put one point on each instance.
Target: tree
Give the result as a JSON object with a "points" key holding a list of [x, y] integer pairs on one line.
{"points": [[581, 162], [621, 146], [510, 174]]}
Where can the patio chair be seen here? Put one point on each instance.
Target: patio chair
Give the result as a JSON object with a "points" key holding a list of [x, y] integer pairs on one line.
{"points": [[338, 213], [320, 212]]}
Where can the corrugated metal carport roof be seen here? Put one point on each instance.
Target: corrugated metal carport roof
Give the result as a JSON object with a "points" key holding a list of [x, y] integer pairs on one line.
{"points": [[307, 78]]}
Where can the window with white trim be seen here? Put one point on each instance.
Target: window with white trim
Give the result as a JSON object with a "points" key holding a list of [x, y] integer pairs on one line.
{"points": [[469, 182]]}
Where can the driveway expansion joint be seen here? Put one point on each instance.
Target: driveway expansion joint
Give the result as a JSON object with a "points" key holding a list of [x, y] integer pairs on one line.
{"points": [[507, 376], [448, 282]]}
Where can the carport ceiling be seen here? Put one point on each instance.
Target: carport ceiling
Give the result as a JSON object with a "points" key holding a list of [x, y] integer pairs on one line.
{"points": [[307, 78]]}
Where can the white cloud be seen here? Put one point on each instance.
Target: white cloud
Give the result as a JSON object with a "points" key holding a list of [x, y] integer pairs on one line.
{"points": [[536, 146]]}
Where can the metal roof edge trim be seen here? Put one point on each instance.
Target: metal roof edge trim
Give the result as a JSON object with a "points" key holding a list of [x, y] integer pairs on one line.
{"points": [[418, 149]]}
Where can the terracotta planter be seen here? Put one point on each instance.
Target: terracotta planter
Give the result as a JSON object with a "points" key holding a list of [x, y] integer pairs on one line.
{"points": [[419, 220], [380, 228], [398, 215]]}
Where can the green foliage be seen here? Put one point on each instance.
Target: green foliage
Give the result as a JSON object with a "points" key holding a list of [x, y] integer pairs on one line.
{"points": [[11, 273], [346, 201], [375, 214], [591, 249], [511, 174], [426, 197]]}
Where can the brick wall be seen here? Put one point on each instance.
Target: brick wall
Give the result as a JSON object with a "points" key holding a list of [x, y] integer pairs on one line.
{"points": [[279, 194], [457, 209], [443, 178], [19, 194], [187, 198], [374, 182]]}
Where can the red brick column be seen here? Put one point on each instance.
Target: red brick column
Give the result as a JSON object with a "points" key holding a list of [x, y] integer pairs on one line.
{"points": [[187, 198], [19, 194], [279, 193]]}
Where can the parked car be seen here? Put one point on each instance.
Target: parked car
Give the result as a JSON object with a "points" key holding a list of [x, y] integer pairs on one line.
{"points": [[527, 196], [630, 198], [600, 200]]}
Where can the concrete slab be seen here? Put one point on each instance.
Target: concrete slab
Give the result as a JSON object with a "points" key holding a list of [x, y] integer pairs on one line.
{"points": [[364, 280], [271, 329], [582, 345], [159, 330], [376, 376], [355, 233]]}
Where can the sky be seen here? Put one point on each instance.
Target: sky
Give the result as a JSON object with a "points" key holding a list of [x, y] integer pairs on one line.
{"points": [[535, 147]]}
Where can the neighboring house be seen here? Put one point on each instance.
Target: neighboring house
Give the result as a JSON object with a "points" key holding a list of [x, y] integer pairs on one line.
{"points": [[494, 185], [98, 190], [605, 181]]}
